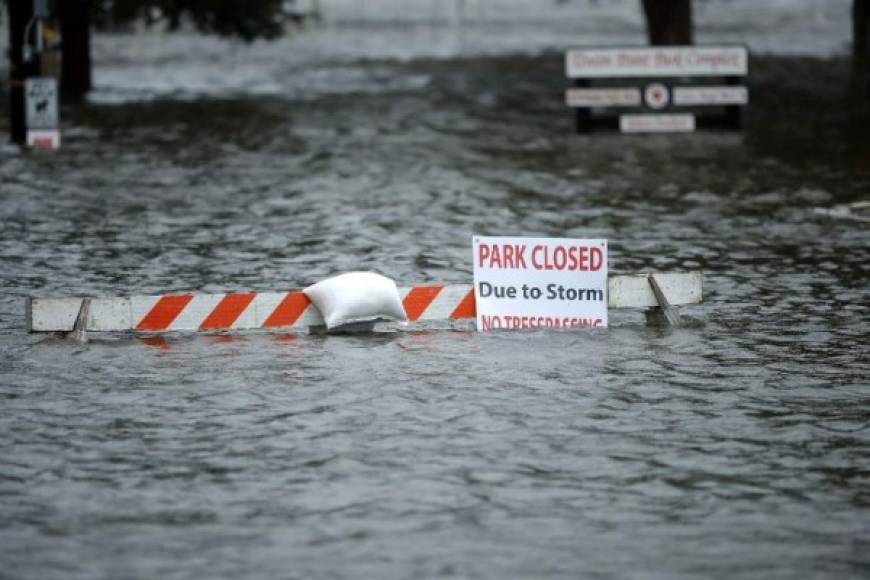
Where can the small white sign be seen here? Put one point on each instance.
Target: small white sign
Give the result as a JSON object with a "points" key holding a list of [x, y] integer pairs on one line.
{"points": [[527, 283], [657, 123], [621, 97], [44, 139], [712, 95], [41, 98], [657, 62], [656, 96]]}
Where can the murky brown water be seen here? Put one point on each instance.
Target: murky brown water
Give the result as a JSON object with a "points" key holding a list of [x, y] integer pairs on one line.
{"points": [[737, 447]]}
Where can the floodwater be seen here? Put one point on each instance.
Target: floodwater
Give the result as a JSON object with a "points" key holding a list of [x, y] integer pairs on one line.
{"points": [[737, 447]]}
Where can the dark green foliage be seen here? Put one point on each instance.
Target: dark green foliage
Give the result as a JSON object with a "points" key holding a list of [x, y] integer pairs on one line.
{"points": [[246, 19]]}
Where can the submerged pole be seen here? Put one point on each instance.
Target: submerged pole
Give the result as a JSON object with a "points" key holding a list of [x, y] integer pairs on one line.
{"points": [[20, 15], [668, 22], [75, 30], [861, 48]]}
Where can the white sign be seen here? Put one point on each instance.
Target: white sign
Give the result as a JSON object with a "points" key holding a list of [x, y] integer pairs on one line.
{"points": [[43, 139], [656, 96], [657, 123], [712, 95], [657, 62], [539, 282], [41, 97], [622, 97]]}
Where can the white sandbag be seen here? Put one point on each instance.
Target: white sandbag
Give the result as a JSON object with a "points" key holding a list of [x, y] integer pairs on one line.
{"points": [[356, 297]]}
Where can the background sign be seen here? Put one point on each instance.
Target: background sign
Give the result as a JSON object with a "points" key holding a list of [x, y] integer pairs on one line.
{"points": [[657, 105], [539, 282], [657, 62], [711, 95], [41, 103], [612, 97], [661, 123]]}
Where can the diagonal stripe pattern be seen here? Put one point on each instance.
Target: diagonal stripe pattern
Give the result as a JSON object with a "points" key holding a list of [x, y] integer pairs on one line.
{"points": [[215, 312], [164, 312]]}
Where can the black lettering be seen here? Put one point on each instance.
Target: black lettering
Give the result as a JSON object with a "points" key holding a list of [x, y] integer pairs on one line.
{"points": [[551, 291]]}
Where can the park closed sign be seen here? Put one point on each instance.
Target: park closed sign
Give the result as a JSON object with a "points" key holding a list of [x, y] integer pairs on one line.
{"points": [[531, 283]]}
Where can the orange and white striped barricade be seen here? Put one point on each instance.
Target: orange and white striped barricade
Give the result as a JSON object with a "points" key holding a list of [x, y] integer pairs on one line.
{"points": [[194, 312]]}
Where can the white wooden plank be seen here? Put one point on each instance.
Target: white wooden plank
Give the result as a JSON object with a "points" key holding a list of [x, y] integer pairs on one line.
{"points": [[109, 314], [55, 314], [634, 291]]}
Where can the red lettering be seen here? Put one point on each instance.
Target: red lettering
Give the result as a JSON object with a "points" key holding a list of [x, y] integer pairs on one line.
{"points": [[502, 257], [508, 253], [583, 262], [559, 257], [482, 254], [520, 256], [490, 323], [495, 260], [596, 259], [531, 322], [572, 258], [536, 264]]}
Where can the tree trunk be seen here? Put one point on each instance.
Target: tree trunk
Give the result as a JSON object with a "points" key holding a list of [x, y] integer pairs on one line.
{"points": [[668, 22], [20, 12], [861, 48], [75, 31]]}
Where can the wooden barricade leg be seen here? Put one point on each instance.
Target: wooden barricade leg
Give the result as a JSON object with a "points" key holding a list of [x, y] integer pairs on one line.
{"points": [[80, 329], [664, 314]]}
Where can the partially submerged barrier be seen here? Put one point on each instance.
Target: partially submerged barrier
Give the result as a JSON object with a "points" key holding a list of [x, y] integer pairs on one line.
{"points": [[659, 89], [293, 310]]}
